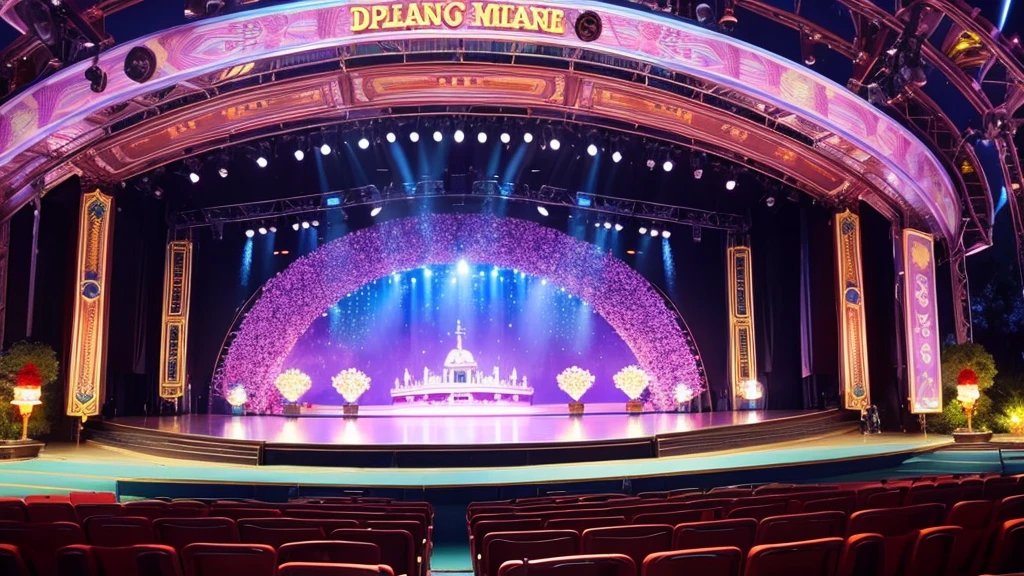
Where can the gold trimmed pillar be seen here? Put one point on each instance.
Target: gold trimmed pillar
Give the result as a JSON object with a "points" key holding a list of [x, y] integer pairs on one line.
{"points": [[742, 344], [174, 335], [853, 340], [87, 368], [921, 315]]}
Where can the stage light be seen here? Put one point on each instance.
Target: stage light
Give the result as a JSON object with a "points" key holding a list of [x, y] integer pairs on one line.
{"points": [[139, 65], [97, 78], [223, 172], [618, 227], [666, 234], [305, 225], [643, 230], [273, 230], [391, 137], [651, 163], [262, 162], [770, 201], [592, 150], [616, 156], [414, 136], [427, 272], [315, 223], [438, 136], [375, 211], [555, 144], [543, 211], [262, 231], [295, 226], [332, 201], [364, 143], [597, 224], [325, 149], [527, 137], [300, 155], [654, 233], [505, 138], [459, 136], [194, 177], [607, 225], [462, 267], [730, 184], [250, 233], [697, 163], [698, 173], [667, 166], [481, 137]]}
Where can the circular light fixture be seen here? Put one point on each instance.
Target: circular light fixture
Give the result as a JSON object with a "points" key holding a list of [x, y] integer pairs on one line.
{"points": [[223, 172], [505, 138], [459, 135], [527, 137], [730, 184], [654, 233], [607, 225], [300, 155], [643, 230], [616, 156], [295, 226], [376, 210], [390, 137], [325, 149], [414, 136], [305, 225], [667, 166], [592, 150], [666, 234], [316, 223], [273, 229], [250, 233], [262, 162], [363, 143], [618, 227], [555, 144], [262, 231], [438, 136], [542, 210], [481, 137], [193, 177]]}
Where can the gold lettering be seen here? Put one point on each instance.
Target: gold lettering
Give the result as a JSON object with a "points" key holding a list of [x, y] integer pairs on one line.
{"points": [[396, 20], [454, 14], [360, 18], [379, 15], [522, 21], [485, 15], [506, 9], [540, 18], [557, 22], [432, 13], [414, 19]]}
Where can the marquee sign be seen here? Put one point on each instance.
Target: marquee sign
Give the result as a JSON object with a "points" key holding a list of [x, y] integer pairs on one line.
{"points": [[456, 14]]}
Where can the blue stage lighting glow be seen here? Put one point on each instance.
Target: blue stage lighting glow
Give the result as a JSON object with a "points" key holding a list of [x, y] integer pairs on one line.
{"points": [[584, 200], [1004, 13], [427, 272], [333, 201], [494, 272], [462, 267], [245, 270]]}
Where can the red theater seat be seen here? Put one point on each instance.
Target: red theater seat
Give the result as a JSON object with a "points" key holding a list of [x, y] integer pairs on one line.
{"points": [[77, 498], [145, 560], [811, 558], [244, 513], [225, 559], [85, 511], [635, 541], [863, 555], [276, 537], [47, 498], [800, 527], [396, 547], [1009, 508], [330, 551], [13, 510], [180, 532], [898, 526], [932, 551], [11, 562], [759, 512], [678, 516], [999, 487], [577, 565], [500, 547], [1006, 554], [39, 543], [51, 512], [975, 517], [484, 527], [845, 504], [702, 561], [581, 524], [312, 569], [112, 531], [738, 533]]}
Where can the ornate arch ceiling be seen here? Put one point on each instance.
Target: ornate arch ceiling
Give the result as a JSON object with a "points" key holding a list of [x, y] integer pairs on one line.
{"points": [[231, 78]]}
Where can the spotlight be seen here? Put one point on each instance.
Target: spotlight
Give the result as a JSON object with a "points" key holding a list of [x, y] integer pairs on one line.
{"points": [[481, 137], [666, 234], [223, 172], [261, 162], [140, 64], [667, 166], [364, 143], [438, 136], [414, 136], [505, 138], [728, 20], [250, 233], [295, 226], [592, 150], [273, 229], [618, 227], [193, 177], [300, 155], [305, 225], [555, 144], [390, 137], [697, 163], [262, 231], [325, 149], [315, 223], [770, 201], [616, 156], [597, 224], [376, 210], [607, 225], [730, 184], [642, 230], [698, 173], [527, 137], [654, 233], [97, 78], [650, 163], [459, 136], [543, 211]]}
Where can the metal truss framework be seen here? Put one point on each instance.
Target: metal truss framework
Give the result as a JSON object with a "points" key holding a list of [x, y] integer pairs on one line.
{"points": [[487, 190], [5, 251]]}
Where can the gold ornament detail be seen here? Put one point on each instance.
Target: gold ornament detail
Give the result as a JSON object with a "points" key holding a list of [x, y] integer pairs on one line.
{"points": [[575, 382], [632, 380], [293, 384], [351, 384]]}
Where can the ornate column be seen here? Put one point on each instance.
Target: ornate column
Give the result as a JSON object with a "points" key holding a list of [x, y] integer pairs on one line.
{"points": [[87, 367], [742, 344], [174, 336], [853, 341], [922, 323]]}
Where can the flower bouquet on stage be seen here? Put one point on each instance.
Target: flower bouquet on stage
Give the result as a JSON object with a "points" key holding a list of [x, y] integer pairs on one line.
{"points": [[575, 382], [351, 384]]}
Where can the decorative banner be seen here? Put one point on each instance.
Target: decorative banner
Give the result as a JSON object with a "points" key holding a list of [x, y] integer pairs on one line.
{"points": [[853, 341], [87, 369], [921, 313], [742, 346], [174, 337]]}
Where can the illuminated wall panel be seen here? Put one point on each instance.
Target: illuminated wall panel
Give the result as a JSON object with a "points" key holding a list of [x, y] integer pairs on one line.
{"points": [[742, 345], [853, 340], [87, 369], [922, 323], [174, 336]]}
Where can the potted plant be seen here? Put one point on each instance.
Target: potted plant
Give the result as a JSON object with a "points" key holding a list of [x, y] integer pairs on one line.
{"points": [[351, 384], [575, 382]]}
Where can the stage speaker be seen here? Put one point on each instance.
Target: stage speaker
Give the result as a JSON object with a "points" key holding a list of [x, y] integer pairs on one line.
{"points": [[140, 64], [588, 26]]}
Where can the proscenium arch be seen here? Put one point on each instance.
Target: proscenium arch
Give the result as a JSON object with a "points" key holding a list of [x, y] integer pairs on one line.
{"points": [[59, 117], [294, 299]]}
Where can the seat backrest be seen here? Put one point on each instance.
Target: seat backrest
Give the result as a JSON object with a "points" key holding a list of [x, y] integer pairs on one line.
{"points": [[139, 560], [759, 512], [575, 565], [329, 551], [971, 514], [891, 522], [415, 529], [396, 546], [485, 527], [77, 498], [180, 532], [810, 558], [1009, 508], [724, 561], [275, 537], [863, 555], [1000, 487], [738, 533], [240, 513], [678, 516], [13, 510], [315, 569], [51, 512], [119, 531], [800, 527], [11, 562], [1006, 556], [76, 560], [500, 547], [636, 541], [932, 551], [39, 543], [220, 559], [882, 498], [581, 524], [846, 504], [85, 511]]}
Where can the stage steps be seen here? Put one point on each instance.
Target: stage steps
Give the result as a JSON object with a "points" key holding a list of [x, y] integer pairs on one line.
{"points": [[801, 427], [169, 445]]}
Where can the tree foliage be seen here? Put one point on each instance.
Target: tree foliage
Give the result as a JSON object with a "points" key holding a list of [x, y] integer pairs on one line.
{"points": [[954, 359], [11, 362]]}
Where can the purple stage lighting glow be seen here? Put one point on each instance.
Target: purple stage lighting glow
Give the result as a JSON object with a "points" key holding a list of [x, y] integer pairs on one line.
{"points": [[295, 298]]}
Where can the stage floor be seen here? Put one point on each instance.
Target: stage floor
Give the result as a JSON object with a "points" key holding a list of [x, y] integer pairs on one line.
{"points": [[404, 430]]}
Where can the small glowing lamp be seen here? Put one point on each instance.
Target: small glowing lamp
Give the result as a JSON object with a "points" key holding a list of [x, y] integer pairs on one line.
{"points": [[967, 393], [28, 393], [751, 390], [684, 393]]}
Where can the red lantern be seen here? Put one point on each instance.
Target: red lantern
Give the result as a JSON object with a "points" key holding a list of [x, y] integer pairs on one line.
{"points": [[967, 377]]}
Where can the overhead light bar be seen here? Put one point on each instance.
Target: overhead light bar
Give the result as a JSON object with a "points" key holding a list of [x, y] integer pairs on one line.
{"points": [[542, 210]]}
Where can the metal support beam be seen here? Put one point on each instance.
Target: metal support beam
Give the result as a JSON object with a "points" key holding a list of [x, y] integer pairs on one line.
{"points": [[36, 213], [5, 250], [961, 296]]}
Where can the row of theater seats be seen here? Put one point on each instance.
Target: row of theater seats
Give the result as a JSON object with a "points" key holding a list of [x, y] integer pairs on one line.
{"points": [[981, 529]]}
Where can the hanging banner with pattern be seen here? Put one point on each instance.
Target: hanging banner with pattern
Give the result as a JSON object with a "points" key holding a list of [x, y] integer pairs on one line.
{"points": [[174, 337], [742, 345], [922, 323], [853, 341], [87, 368]]}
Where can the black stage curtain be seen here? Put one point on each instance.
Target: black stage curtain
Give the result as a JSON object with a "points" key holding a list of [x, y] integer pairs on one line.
{"points": [[821, 388]]}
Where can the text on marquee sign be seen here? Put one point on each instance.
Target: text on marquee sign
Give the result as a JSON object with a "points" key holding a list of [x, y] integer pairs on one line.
{"points": [[491, 15]]}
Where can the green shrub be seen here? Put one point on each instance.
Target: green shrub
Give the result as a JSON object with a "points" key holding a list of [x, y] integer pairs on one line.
{"points": [[13, 360]]}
